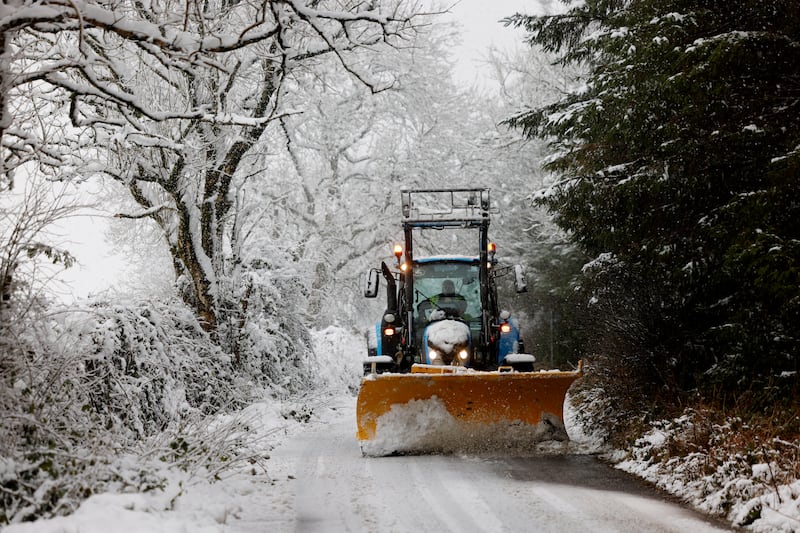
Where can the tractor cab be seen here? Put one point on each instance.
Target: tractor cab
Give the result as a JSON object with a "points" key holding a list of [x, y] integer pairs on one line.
{"points": [[442, 310], [446, 309], [446, 284]]}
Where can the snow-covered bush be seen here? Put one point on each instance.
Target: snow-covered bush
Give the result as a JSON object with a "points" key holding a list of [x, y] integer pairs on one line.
{"points": [[725, 466], [81, 389], [149, 364], [82, 385], [269, 342]]}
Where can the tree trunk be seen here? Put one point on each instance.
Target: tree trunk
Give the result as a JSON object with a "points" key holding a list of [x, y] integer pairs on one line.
{"points": [[201, 297]]}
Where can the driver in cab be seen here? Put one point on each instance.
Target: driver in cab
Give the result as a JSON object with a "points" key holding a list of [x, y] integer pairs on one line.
{"points": [[449, 300]]}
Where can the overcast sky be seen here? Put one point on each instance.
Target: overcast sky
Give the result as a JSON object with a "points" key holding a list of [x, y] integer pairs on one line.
{"points": [[481, 29]]}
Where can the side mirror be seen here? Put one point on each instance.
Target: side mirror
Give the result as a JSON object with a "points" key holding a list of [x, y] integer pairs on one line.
{"points": [[373, 281], [519, 279]]}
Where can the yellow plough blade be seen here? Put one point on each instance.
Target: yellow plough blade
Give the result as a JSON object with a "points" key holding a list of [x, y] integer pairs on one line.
{"points": [[473, 400]]}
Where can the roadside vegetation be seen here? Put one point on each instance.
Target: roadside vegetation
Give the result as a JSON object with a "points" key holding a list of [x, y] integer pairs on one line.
{"points": [[675, 173]]}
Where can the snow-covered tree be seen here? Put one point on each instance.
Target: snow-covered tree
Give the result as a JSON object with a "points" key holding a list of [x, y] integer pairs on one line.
{"points": [[26, 250], [677, 162], [352, 153], [182, 94]]}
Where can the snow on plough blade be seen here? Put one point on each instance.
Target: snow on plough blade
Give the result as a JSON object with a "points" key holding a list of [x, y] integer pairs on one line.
{"points": [[439, 409]]}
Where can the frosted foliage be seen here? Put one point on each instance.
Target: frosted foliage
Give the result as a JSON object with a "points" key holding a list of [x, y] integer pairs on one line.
{"points": [[273, 343], [82, 388], [86, 384]]}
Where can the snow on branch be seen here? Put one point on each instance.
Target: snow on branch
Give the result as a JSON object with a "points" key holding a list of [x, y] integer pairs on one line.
{"points": [[146, 213], [57, 16], [94, 75]]}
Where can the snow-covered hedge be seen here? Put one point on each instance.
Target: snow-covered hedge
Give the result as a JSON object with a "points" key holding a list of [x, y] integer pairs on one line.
{"points": [[723, 466], [82, 389], [263, 332]]}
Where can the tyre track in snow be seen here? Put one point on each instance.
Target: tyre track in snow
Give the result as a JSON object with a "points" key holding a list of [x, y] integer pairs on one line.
{"points": [[330, 486], [449, 493]]}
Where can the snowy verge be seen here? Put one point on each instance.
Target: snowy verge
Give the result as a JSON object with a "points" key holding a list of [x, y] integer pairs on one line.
{"points": [[205, 499], [708, 466], [203, 475], [725, 469]]}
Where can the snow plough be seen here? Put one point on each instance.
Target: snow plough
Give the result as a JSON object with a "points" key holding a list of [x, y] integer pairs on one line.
{"points": [[446, 367]]}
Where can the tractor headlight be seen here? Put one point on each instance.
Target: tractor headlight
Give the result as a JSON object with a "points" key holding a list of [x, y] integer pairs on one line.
{"points": [[463, 355], [433, 354]]}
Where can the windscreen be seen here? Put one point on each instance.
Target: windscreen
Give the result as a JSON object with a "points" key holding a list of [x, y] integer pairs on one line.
{"points": [[429, 279]]}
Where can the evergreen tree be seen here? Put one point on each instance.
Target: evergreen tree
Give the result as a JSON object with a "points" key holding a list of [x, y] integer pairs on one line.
{"points": [[678, 170]]}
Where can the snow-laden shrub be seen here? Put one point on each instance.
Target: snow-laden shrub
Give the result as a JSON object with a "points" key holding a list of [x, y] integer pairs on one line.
{"points": [[81, 385], [81, 389], [262, 331], [725, 466], [150, 363]]}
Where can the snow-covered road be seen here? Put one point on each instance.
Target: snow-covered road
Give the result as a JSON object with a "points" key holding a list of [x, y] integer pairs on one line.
{"points": [[329, 486], [317, 480]]}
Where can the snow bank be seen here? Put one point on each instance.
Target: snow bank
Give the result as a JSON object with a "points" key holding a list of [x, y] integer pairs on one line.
{"points": [[582, 438], [131, 513], [721, 479]]}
